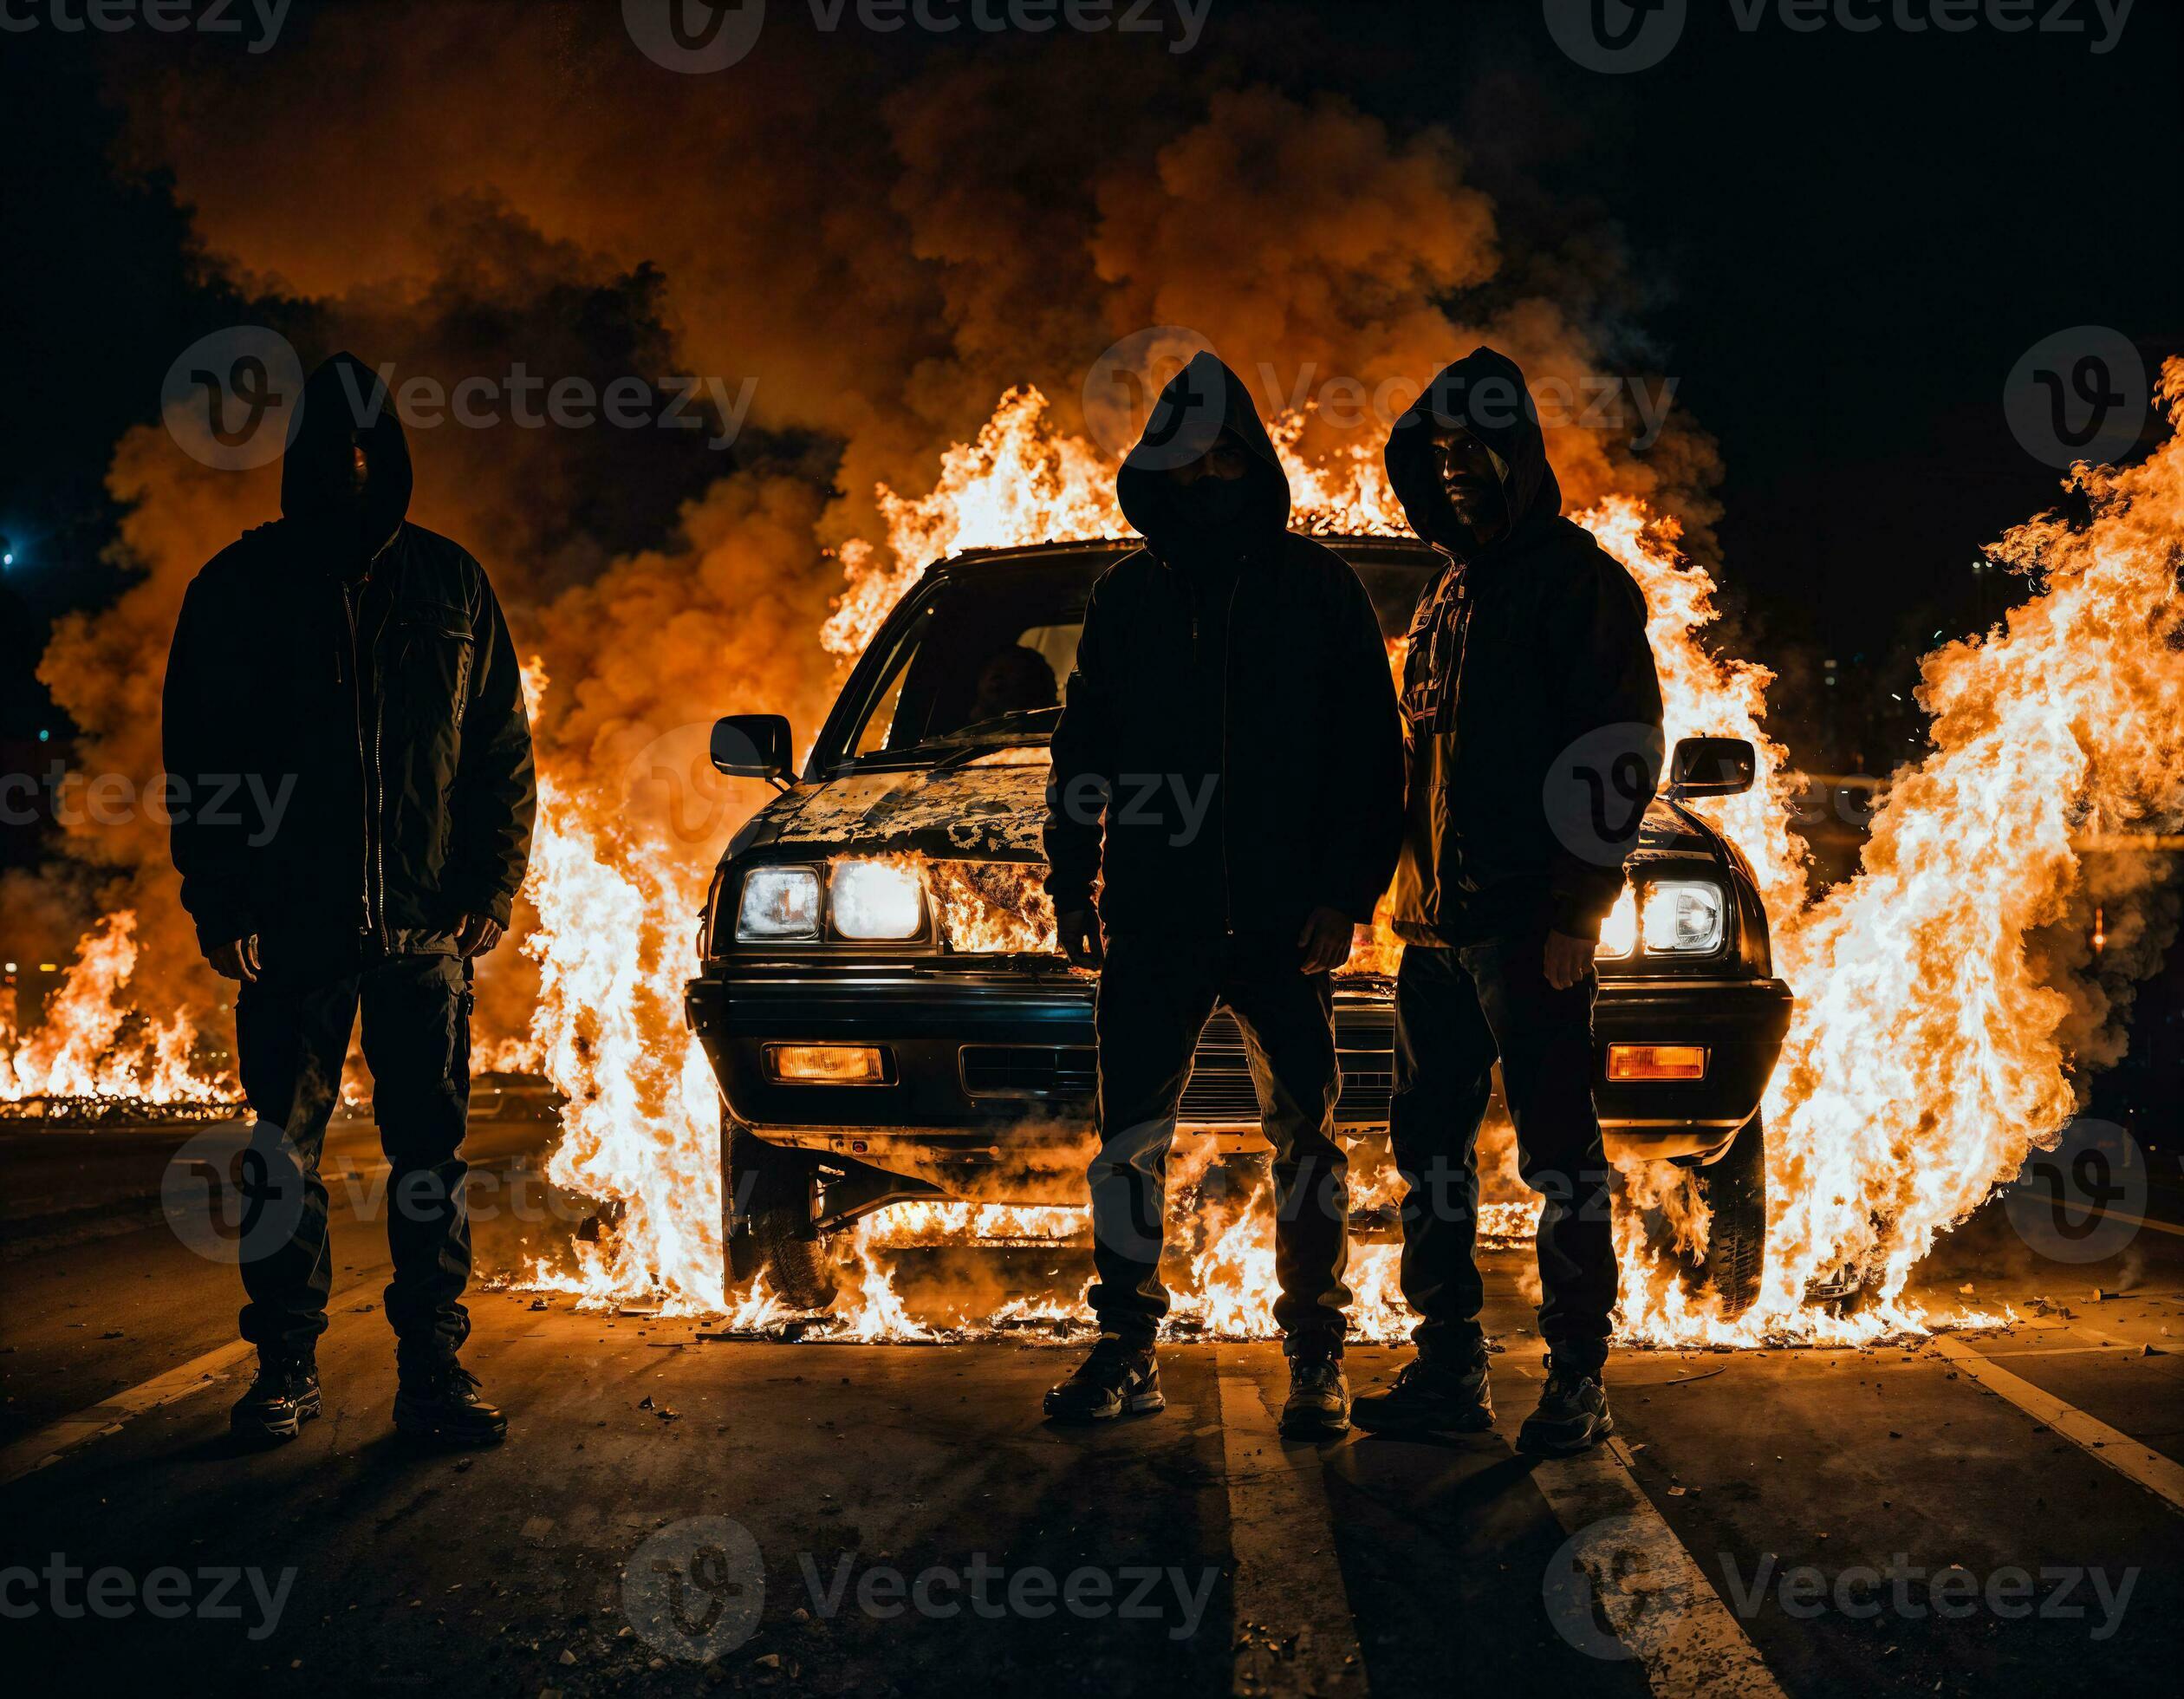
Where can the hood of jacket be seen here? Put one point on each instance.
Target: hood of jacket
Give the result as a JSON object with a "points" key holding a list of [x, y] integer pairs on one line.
{"points": [[1199, 402], [1484, 393], [345, 397]]}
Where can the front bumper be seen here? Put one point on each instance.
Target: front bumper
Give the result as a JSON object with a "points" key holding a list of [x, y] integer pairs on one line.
{"points": [[986, 1061]]}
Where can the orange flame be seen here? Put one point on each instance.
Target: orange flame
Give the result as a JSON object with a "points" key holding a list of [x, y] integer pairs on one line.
{"points": [[90, 1044]]}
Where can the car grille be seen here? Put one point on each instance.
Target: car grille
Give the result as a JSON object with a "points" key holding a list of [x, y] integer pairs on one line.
{"points": [[1220, 1088]]}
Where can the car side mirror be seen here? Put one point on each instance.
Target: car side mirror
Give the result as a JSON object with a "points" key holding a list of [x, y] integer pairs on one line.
{"points": [[1712, 767], [755, 746]]}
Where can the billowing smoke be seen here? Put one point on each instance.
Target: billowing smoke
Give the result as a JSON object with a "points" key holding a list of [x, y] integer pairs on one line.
{"points": [[867, 260]]}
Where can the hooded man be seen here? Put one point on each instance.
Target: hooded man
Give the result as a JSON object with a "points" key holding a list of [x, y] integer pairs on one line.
{"points": [[354, 671], [1532, 720], [1228, 767]]}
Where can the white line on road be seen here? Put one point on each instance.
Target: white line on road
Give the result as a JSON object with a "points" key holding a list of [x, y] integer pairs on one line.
{"points": [[34, 1451], [1662, 1608], [2161, 1475], [55, 1440], [1293, 1622]]}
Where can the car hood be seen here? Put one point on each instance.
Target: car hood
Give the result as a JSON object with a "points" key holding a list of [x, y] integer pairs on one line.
{"points": [[993, 808], [978, 810]]}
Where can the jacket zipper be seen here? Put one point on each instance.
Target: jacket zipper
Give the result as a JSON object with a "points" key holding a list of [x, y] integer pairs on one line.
{"points": [[1228, 632], [374, 881]]}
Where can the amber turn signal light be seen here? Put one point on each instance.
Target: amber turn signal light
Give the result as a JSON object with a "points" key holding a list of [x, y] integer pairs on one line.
{"points": [[828, 1065], [1656, 1062]]}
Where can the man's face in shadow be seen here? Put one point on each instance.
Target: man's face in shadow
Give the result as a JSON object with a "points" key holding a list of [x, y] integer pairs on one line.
{"points": [[1224, 463], [1473, 482]]}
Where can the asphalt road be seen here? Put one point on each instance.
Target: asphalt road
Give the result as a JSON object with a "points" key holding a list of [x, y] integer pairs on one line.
{"points": [[852, 1518]]}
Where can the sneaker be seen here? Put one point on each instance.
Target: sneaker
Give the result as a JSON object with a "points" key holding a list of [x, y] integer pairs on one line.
{"points": [[280, 1400], [1318, 1404], [439, 1403], [1431, 1397], [1573, 1413], [1114, 1378]]}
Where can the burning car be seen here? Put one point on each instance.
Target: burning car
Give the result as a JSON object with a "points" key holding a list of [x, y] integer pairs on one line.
{"points": [[889, 1018]]}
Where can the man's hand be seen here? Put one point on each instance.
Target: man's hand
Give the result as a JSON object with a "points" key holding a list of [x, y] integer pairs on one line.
{"points": [[476, 935], [1325, 940], [238, 961], [1569, 960], [1079, 931]]}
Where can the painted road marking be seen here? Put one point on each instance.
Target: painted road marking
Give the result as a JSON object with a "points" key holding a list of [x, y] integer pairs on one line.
{"points": [[51, 1443], [2160, 1475], [55, 1440], [1281, 1534], [1664, 1611]]}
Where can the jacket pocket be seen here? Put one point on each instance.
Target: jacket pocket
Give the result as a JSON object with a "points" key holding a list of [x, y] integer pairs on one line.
{"points": [[435, 648]]}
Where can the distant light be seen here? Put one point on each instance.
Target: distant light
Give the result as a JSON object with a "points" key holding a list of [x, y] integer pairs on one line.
{"points": [[11, 968], [44, 736], [7, 557], [48, 967]]}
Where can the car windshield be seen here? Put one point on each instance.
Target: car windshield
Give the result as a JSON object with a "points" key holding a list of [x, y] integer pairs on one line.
{"points": [[982, 659]]}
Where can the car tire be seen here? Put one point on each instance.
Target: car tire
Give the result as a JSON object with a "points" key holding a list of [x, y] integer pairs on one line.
{"points": [[1734, 1186], [774, 1232]]}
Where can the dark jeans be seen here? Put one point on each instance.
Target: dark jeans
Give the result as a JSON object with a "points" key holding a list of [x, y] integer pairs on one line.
{"points": [[291, 1037], [1155, 994], [1456, 1011]]}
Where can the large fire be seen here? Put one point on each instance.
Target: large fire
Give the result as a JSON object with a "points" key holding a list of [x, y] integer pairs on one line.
{"points": [[1928, 1057]]}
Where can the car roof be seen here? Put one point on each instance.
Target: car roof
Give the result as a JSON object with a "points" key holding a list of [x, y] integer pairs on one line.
{"points": [[1035, 554]]}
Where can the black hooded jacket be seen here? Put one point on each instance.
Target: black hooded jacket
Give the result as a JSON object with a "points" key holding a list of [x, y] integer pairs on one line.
{"points": [[344, 714], [1515, 656], [1253, 660]]}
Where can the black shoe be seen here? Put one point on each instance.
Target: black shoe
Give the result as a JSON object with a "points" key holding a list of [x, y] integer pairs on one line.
{"points": [[439, 1403], [1318, 1404], [1431, 1397], [1115, 1377], [280, 1400], [1573, 1413]]}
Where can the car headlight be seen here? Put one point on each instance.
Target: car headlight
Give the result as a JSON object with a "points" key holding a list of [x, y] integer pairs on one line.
{"points": [[1619, 932], [876, 900], [1683, 917], [778, 902]]}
